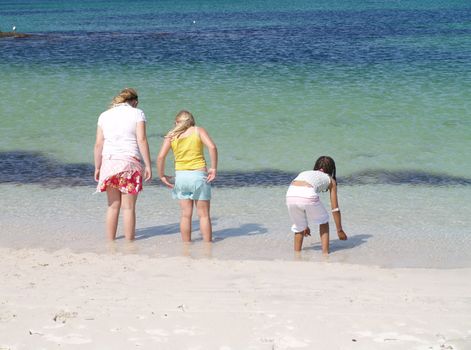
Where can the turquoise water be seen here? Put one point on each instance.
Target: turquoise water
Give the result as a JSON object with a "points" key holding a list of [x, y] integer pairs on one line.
{"points": [[383, 87]]}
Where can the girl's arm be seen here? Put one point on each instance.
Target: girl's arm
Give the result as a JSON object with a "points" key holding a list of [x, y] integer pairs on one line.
{"points": [[336, 211], [144, 149], [100, 140], [213, 153], [161, 162]]}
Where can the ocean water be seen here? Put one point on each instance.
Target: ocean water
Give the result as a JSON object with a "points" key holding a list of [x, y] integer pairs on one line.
{"points": [[381, 86]]}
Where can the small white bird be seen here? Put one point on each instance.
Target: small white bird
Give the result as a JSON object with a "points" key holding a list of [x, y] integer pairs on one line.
{"points": [[194, 22], [13, 29]]}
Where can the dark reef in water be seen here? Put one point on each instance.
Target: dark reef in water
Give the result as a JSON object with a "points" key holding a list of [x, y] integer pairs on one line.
{"points": [[14, 35], [271, 177], [22, 167], [403, 177]]}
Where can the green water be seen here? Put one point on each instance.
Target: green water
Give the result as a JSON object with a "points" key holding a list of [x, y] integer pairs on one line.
{"points": [[367, 118]]}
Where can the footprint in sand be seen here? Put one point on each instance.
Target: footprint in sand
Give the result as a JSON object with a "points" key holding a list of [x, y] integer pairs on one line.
{"points": [[62, 316]]}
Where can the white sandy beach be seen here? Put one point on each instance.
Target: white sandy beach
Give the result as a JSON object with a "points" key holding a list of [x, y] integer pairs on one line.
{"points": [[65, 300]]}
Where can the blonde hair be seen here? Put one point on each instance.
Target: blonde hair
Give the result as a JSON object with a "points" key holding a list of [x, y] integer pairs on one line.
{"points": [[184, 120], [126, 95]]}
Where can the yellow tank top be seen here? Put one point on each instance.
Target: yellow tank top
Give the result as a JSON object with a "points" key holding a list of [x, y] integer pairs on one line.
{"points": [[188, 152]]}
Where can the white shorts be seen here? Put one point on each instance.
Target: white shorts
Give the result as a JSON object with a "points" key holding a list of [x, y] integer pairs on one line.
{"points": [[303, 210]]}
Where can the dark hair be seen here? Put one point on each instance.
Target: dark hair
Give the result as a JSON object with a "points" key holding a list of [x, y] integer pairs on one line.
{"points": [[327, 165]]}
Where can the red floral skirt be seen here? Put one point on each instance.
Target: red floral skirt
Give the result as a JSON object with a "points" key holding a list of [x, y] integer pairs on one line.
{"points": [[121, 172], [125, 183]]}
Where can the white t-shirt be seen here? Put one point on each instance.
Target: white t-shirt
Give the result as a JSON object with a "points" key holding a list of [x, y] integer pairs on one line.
{"points": [[317, 179], [119, 129]]}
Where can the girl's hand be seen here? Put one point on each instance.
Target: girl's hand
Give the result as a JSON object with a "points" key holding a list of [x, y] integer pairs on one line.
{"points": [[212, 173], [166, 181], [307, 232], [97, 174], [147, 173], [342, 235]]}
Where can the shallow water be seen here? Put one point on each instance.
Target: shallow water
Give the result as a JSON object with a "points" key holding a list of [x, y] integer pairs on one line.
{"points": [[420, 231]]}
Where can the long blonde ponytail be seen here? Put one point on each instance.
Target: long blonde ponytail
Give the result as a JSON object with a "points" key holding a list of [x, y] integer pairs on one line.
{"points": [[184, 120]]}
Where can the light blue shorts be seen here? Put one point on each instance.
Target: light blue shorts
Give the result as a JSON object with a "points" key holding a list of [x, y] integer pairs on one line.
{"points": [[191, 184]]}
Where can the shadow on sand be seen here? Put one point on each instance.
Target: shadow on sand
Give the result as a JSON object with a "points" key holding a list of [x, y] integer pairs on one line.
{"points": [[243, 230], [162, 230], [338, 245], [218, 235]]}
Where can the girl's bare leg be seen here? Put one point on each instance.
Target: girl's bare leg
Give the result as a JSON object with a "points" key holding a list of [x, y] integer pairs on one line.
{"points": [[298, 241], [186, 206], [128, 207], [112, 213], [324, 233], [206, 229]]}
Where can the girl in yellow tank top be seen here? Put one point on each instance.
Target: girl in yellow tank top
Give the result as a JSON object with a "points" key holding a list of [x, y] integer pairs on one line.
{"points": [[188, 151], [192, 177]]}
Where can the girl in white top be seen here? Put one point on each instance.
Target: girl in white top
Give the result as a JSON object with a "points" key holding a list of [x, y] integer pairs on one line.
{"points": [[121, 142], [302, 199]]}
